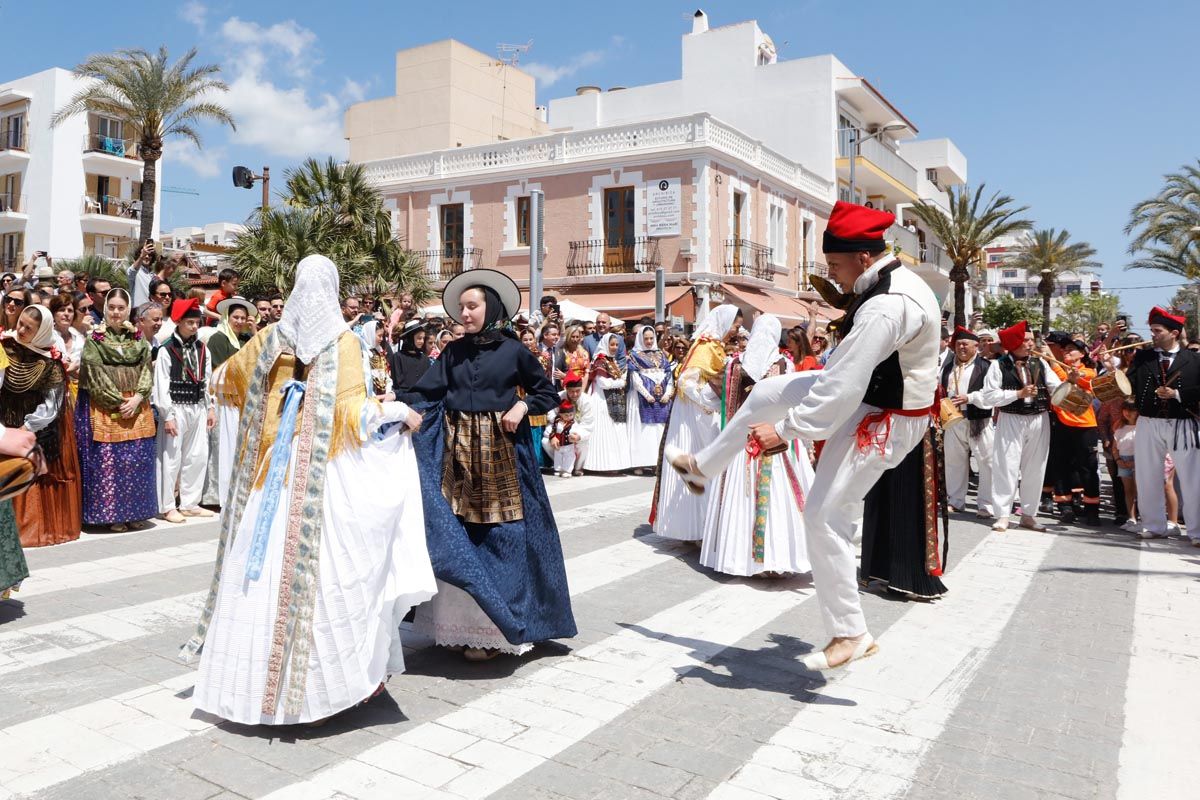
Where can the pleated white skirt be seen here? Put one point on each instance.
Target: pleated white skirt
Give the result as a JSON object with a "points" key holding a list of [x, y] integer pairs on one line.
{"points": [[644, 438], [608, 446], [373, 567], [680, 513], [729, 526]]}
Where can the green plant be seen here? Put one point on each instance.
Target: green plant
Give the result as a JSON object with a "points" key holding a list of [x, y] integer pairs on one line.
{"points": [[1166, 227], [1083, 312], [1005, 311]]}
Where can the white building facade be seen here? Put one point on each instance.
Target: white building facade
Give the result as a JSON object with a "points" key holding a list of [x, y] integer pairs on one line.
{"points": [[1005, 280], [69, 190]]}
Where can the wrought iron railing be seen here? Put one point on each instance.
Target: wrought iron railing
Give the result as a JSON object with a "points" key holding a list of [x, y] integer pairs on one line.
{"points": [[809, 269], [598, 257], [14, 139], [10, 202], [446, 262], [111, 206], [12, 263], [123, 148], [748, 259]]}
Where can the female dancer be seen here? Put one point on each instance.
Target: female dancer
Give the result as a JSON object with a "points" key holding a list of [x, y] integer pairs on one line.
{"points": [[236, 328], [608, 447], [651, 388], [492, 537], [114, 425], [755, 524]]}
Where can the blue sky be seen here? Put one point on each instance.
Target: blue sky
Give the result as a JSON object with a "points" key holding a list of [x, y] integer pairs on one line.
{"points": [[1075, 109]]}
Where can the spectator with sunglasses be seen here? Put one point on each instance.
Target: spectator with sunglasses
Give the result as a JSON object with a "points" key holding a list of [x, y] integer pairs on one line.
{"points": [[15, 301], [161, 293], [820, 345]]}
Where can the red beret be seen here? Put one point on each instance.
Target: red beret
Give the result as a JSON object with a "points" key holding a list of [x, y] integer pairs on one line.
{"points": [[572, 378], [964, 333], [1014, 337], [566, 406], [189, 307], [853, 228], [1160, 316]]}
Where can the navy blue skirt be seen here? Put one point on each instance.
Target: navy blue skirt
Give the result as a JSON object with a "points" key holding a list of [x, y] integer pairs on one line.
{"points": [[513, 570]]}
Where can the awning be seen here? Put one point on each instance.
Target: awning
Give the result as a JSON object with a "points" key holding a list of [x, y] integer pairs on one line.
{"points": [[788, 309], [633, 303]]}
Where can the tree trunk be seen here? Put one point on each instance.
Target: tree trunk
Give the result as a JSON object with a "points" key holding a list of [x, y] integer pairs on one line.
{"points": [[1045, 313], [959, 276], [151, 151]]}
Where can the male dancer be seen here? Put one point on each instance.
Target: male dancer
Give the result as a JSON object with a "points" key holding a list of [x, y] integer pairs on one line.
{"points": [[962, 381], [1166, 388], [1019, 385], [871, 405]]}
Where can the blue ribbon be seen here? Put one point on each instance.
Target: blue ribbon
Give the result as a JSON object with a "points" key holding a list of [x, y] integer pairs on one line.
{"points": [[281, 453]]}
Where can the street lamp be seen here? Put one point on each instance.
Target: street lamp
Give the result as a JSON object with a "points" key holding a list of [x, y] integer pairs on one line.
{"points": [[244, 178], [855, 141]]}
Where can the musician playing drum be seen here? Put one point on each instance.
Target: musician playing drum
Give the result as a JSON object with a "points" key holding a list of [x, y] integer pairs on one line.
{"points": [[1078, 468], [1166, 388], [962, 384], [1019, 385]]}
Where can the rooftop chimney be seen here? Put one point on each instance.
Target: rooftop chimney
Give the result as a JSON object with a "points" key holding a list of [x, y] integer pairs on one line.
{"points": [[699, 21], [588, 90]]}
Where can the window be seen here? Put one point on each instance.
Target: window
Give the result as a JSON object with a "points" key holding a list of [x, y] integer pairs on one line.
{"points": [[1072, 288], [523, 206], [12, 130], [1018, 292], [452, 230], [846, 133], [110, 128], [931, 175], [777, 233], [1008, 273], [619, 216]]}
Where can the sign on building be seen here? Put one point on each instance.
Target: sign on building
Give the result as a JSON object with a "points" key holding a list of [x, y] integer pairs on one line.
{"points": [[663, 208]]}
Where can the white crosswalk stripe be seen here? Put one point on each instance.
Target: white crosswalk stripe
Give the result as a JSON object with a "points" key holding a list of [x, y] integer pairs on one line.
{"points": [[88, 573], [47, 750]]}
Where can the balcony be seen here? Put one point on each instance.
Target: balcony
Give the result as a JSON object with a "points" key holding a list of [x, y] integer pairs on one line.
{"points": [[13, 215], [747, 259], [117, 158], [12, 263], [879, 170], [807, 270], [445, 263], [14, 149], [590, 257], [110, 215]]}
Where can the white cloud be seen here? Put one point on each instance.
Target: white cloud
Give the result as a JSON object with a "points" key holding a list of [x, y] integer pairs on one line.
{"points": [[195, 14], [353, 91], [252, 45], [207, 163], [549, 74]]}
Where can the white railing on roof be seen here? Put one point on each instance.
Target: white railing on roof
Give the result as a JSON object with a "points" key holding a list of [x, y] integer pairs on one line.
{"points": [[695, 131]]}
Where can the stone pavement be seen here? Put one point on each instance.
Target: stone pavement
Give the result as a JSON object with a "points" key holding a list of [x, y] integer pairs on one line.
{"points": [[1061, 664]]}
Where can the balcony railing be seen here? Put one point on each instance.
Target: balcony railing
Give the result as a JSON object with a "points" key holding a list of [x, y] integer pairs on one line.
{"points": [[881, 156], [14, 139], [809, 269], [906, 240], [111, 206], [748, 259], [445, 263], [122, 148], [12, 263], [12, 203], [934, 254], [598, 257]]}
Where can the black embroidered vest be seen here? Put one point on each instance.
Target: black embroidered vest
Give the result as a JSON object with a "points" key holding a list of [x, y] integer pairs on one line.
{"points": [[185, 388], [979, 370], [1011, 379], [885, 389]]}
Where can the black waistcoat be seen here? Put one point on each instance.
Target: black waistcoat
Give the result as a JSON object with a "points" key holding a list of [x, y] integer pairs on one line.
{"points": [[1011, 379], [885, 389], [1145, 373], [979, 370], [185, 387]]}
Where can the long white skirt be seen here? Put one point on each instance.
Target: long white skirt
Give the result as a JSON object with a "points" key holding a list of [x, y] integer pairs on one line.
{"points": [[680, 513], [373, 567], [608, 445], [228, 418], [729, 527], [644, 438], [453, 619]]}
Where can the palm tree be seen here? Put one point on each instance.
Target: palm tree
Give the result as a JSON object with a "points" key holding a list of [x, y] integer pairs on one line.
{"points": [[1051, 253], [1168, 226], [972, 226], [158, 99]]}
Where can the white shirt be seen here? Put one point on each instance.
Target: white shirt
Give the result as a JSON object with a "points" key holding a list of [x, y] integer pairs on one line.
{"points": [[1124, 437], [959, 380]]}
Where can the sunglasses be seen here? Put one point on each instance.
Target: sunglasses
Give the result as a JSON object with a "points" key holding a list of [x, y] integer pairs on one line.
{"points": [[14, 300], [162, 294]]}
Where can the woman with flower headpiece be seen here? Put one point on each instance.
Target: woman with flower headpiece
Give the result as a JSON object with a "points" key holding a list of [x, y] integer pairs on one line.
{"points": [[33, 396], [608, 449], [502, 584], [651, 389], [114, 426], [319, 558], [755, 523]]}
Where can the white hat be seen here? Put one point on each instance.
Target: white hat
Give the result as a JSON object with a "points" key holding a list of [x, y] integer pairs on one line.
{"points": [[501, 284]]}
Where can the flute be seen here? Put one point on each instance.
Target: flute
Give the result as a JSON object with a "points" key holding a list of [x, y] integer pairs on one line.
{"points": [[1126, 347]]}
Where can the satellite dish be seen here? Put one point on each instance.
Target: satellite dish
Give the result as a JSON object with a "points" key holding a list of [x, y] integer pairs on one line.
{"points": [[243, 178]]}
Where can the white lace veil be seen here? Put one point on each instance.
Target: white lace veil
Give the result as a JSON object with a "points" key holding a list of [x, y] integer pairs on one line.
{"points": [[717, 323], [763, 349], [637, 342], [312, 317]]}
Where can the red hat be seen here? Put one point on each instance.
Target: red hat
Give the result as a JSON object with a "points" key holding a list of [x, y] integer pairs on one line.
{"points": [[185, 308], [1160, 316], [573, 378], [566, 406], [1014, 337], [853, 228], [964, 333]]}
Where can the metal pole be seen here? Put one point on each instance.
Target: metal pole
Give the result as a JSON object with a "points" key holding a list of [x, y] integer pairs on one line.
{"points": [[266, 187], [536, 223], [853, 160], [660, 292]]}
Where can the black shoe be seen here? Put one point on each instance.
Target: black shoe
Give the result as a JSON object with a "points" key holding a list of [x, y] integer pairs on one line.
{"points": [[1066, 513], [1092, 516]]}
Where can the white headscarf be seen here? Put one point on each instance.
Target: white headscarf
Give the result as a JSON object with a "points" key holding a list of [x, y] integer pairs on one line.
{"points": [[637, 340], [366, 333], [43, 340], [763, 349], [312, 317], [602, 346], [717, 323]]}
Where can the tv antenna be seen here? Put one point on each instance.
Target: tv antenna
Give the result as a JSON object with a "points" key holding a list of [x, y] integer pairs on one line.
{"points": [[510, 54]]}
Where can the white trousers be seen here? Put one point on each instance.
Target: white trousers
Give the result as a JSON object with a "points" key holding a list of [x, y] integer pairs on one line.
{"points": [[1022, 444], [1155, 439], [959, 445], [834, 506], [183, 459], [563, 458]]}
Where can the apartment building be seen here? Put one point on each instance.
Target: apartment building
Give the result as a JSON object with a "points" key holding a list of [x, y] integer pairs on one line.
{"points": [[1004, 279], [723, 179], [69, 190]]}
